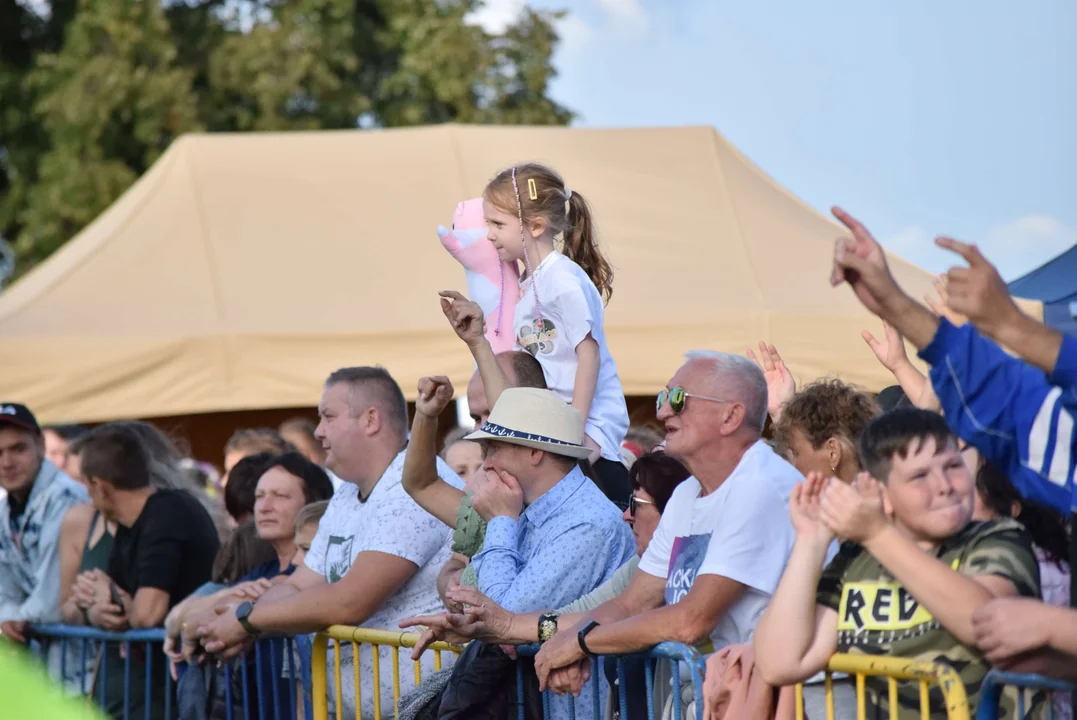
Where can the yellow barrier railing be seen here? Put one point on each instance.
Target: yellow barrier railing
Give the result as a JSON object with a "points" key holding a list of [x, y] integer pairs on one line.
{"points": [[893, 669], [375, 639]]}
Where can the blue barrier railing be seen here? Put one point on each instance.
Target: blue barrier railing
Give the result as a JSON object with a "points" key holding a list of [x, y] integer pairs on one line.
{"points": [[273, 685], [675, 653], [996, 680]]}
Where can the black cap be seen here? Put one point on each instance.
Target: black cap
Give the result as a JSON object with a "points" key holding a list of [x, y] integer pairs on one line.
{"points": [[19, 416], [893, 397]]}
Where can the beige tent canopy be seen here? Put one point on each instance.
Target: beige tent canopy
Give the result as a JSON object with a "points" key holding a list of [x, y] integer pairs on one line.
{"points": [[242, 269]]}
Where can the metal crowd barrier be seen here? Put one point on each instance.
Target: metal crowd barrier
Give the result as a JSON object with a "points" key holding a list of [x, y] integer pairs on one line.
{"points": [[89, 642], [996, 680], [674, 653], [893, 669], [376, 639]]}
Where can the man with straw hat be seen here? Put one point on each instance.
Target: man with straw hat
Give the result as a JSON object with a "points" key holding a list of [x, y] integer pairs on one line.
{"points": [[552, 535]]}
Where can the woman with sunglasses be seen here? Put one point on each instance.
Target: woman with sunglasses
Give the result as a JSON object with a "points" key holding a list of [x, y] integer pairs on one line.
{"points": [[654, 476]]}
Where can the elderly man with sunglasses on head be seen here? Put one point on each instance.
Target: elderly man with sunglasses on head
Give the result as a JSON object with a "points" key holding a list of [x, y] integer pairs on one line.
{"points": [[724, 538]]}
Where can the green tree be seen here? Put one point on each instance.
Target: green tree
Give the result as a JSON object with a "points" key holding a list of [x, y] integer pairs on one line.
{"points": [[92, 92], [110, 102]]}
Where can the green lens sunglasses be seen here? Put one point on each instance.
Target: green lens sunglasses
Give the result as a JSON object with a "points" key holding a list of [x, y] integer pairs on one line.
{"points": [[676, 396]]}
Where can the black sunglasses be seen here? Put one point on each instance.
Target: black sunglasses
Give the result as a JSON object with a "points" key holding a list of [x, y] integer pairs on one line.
{"points": [[634, 503]]}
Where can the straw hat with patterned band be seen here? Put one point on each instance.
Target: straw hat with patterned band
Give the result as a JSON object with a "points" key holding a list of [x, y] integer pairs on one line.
{"points": [[537, 419]]}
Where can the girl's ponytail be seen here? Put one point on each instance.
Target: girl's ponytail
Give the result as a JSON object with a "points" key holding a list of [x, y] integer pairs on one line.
{"points": [[582, 248]]}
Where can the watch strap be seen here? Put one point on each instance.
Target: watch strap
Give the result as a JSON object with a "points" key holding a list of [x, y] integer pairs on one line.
{"points": [[242, 614], [581, 637]]}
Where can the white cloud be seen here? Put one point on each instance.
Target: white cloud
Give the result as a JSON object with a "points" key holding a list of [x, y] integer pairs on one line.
{"points": [[496, 15], [575, 34], [629, 13], [1015, 248]]}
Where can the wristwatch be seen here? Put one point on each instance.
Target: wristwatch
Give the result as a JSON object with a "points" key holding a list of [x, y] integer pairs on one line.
{"points": [[580, 637], [547, 626], [242, 613]]}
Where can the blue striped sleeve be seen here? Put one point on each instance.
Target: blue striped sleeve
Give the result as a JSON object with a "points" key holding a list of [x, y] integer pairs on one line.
{"points": [[1008, 410]]}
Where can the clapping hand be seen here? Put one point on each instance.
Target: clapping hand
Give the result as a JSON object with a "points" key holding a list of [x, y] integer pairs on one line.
{"points": [[855, 511], [805, 509]]}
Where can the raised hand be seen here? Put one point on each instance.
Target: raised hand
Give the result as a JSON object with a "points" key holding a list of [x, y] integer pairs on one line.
{"points": [[497, 494], [978, 291], [464, 315], [853, 512], [804, 509], [940, 303], [435, 394], [890, 351], [780, 383], [860, 261]]}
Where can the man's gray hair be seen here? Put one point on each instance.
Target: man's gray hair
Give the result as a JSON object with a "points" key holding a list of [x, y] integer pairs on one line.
{"points": [[749, 385]]}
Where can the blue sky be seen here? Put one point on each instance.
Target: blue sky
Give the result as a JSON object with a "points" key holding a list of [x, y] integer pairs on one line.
{"points": [[922, 118]]}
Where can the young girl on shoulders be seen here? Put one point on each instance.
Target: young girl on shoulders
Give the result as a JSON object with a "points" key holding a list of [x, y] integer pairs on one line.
{"points": [[559, 316]]}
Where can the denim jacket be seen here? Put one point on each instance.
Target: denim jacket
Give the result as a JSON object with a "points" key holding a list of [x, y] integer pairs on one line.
{"points": [[30, 552]]}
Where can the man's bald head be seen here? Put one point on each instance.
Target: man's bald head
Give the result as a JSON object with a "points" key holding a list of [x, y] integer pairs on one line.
{"points": [[521, 370]]}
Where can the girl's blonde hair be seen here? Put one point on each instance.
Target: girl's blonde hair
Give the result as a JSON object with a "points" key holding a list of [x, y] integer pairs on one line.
{"points": [[533, 191]]}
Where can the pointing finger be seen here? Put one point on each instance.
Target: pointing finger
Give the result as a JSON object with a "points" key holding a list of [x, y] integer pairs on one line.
{"points": [[970, 252]]}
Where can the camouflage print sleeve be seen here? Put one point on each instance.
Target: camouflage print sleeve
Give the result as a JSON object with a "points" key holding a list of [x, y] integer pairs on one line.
{"points": [[833, 577], [1003, 548]]}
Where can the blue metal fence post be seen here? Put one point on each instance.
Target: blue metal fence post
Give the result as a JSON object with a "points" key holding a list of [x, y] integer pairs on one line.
{"points": [[243, 682], [126, 680], [274, 679], [289, 647], [168, 690], [149, 678], [82, 677], [229, 713], [648, 679], [102, 666]]}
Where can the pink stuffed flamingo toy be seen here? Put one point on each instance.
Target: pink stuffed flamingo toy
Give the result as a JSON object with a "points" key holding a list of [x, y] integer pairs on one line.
{"points": [[493, 284]]}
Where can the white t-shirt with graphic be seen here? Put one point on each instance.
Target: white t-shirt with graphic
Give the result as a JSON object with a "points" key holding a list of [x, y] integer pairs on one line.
{"points": [[741, 531], [569, 308], [389, 521]]}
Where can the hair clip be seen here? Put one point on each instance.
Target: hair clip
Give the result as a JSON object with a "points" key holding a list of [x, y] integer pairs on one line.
{"points": [[532, 189]]}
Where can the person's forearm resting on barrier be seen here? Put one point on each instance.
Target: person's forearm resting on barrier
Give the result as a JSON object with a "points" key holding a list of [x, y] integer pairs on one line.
{"points": [[796, 636], [637, 620], [477, 617], [1012, 632], [308, 604]]}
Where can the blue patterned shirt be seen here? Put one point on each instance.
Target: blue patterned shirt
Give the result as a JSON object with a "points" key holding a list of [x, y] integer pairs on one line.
{"points": [[566, 543]]}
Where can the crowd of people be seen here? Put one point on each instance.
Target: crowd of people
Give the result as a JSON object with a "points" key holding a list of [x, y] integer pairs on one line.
{"points": [[767, 525]]}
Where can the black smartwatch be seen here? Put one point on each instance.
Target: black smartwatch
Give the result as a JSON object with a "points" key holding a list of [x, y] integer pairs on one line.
{"points": [[580, 637], [547, 626], [242, 613]]}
